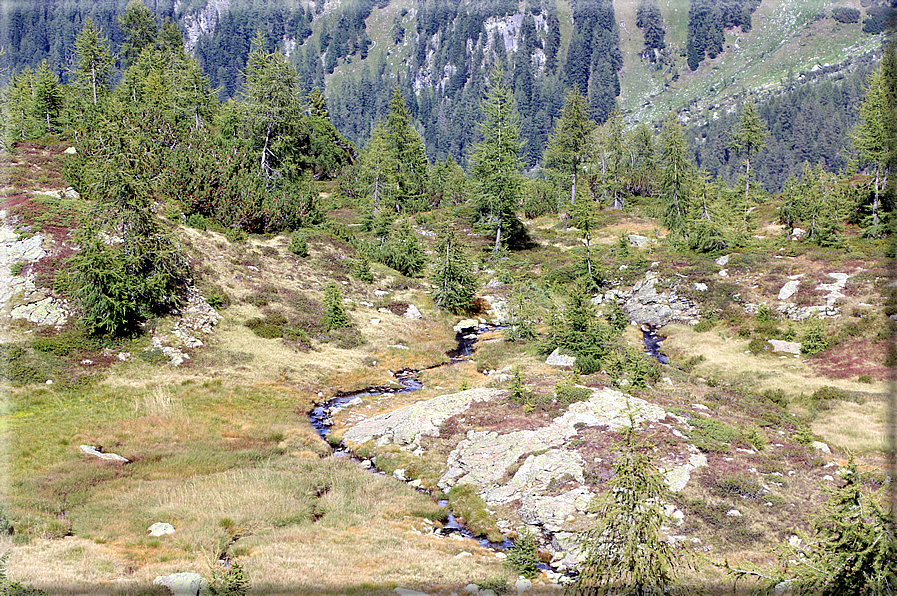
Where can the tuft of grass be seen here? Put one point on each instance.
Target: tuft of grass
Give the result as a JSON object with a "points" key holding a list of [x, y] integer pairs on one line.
{"points": [[471, 510]]}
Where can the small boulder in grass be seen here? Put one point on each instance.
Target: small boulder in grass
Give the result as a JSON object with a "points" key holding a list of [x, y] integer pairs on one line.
{"points": [[160, 529], [182, 584]]}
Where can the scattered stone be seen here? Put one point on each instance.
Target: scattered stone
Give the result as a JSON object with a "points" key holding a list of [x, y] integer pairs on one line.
{"points": [[789, 289], [398, 346], [493, 283], [471, 588], [123, 356], [724, 273], [380, 293], [366, 303], [558, 359], [700, 407], [722, 261], [783, 587], [71, 193], [636, 240], [375, 321], [788, 347], [182, 584], [71, 151], [733, 513], [700, 287], [798, 233], [160, 529], [399, 474], [94, 451], [412, 313], [463, 554]]}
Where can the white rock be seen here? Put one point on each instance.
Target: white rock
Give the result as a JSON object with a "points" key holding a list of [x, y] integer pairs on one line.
{"points": [[522, 585], [375, 321], [722, 261], [91, 450], [160, 529], [724, 273], [820, 446], [733, 513], [700, 287], [182, 584], [788, 347], [407, 592], [412, 313], [558, 359], [463, 554], [828, 478], [789, 289]]}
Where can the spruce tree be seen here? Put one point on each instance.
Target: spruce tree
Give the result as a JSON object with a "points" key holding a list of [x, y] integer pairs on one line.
{"points": [[870, 136], [407, 150], [674, 174], [748, 139], [570, 145], [453, 276], [495, 166], [335, 316], [93, 61], [626, 552], [138, 25]]}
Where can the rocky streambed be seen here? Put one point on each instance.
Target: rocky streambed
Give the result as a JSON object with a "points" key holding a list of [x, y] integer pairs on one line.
{"points": [[541, 479]]}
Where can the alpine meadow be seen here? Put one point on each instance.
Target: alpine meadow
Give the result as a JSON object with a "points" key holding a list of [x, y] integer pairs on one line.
{"points": [[446, 297]]}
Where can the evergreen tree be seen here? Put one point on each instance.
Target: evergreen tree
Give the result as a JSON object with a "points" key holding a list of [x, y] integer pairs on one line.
{"points": [[453, 277], [584, 217], [570, 145], [93, 61], [377, 169], [495, 166], [626, 552], [870, 136], [674, 174], [748, 139], [49, 96], [403, 250], [270, 103], [407, 150], [138, 25], [335, 316]]}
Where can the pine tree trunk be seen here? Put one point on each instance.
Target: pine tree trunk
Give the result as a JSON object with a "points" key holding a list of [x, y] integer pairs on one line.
{"points": [[747, 180], [573, 189], [93, 81], [497, 248], [875, 199], [589, 254]]}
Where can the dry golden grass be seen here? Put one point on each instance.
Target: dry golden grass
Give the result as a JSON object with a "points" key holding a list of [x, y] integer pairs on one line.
{"points": [[854, 428], [725, 359]]}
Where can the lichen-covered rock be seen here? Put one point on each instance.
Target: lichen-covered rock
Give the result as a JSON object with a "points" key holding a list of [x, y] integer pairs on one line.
{"points": [[561, 360], [406, 425]]}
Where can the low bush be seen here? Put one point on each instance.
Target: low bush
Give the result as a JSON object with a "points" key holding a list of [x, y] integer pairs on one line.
{"points": [[739, 484], [298, 245], [711, 435]]}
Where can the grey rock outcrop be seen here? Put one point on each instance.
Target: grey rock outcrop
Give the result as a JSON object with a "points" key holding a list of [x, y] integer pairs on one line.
{"points": [[406, 425], [789, 289], [647, 306], [636, 240], [412, 312]]}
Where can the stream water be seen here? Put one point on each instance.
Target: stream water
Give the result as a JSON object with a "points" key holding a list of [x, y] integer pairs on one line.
{"points": [[321, 418], [652, 344]]}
